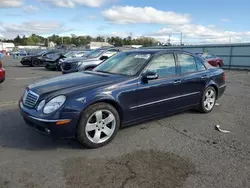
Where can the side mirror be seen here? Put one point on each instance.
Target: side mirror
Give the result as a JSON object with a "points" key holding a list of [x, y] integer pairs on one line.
{"points": [[104, 58], [150, 76]]}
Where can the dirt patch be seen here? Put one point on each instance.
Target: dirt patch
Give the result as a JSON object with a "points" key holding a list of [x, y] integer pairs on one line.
{"points": [[145, 169], [4, 183]]}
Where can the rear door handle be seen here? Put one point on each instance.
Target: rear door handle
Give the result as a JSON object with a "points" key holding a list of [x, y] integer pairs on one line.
{"points": [[177, 81], [204, 76]]}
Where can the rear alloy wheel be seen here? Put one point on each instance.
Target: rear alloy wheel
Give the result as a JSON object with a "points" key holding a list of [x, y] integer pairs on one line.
{"points": [[98, 126], [35, 63], [208, 100]]}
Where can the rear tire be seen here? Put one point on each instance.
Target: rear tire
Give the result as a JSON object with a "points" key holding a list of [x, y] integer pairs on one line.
{"points": [[98, 125], [208, 100]]}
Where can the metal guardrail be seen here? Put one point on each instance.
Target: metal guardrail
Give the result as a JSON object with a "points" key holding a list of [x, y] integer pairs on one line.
{"points": [[235, 56]]}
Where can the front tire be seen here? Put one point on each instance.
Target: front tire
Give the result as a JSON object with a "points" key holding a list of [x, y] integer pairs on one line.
{"points": [[208, 100], [98, 125], [35, 63]]}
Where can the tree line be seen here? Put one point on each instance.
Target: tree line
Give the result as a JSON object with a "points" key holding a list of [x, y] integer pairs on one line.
{"points": [[80, 40]]}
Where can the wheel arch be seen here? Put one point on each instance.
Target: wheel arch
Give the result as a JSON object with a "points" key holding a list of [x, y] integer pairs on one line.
{"points": [[215, 87], [113, 103], [109, 101]]}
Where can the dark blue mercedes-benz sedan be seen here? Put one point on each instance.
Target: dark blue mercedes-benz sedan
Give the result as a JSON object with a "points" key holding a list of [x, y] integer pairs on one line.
{"points": [[128, 88]]}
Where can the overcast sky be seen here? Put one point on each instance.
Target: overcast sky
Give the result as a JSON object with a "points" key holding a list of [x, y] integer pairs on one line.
{"points": [[199, 21]]}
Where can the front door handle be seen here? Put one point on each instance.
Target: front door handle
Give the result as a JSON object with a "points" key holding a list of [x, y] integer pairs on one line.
{"points": [[204, 76], [177, 82]]}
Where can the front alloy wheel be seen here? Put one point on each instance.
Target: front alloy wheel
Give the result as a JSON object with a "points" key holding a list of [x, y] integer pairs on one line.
{"points": [[98, 126]]}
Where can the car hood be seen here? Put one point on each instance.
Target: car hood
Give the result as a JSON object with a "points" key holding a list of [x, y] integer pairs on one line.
{"points": [[78, 59], [34, 55], [82, 81]]}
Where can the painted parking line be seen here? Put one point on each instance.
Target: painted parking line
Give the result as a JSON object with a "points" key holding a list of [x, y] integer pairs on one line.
{"points": [[9, 103], [25, 78]]}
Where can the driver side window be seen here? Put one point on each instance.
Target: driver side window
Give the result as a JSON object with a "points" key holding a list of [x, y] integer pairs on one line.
{"points": [[163, 65]]}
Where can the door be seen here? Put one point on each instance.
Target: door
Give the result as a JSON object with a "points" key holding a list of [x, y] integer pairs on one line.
{"points": [[158, 96], [193, 77]]}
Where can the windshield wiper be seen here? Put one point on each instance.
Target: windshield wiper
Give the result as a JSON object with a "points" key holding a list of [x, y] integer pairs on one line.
{"points": [[111, 73], [104, 72]]}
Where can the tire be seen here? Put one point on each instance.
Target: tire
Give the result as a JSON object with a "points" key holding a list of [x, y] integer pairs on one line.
{"points": [[35, 63], [92, 131], [47, 67], [207, 103]]}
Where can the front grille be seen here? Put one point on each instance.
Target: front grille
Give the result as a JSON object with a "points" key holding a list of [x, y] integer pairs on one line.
{"points": [[30, 99], [67, 66]]}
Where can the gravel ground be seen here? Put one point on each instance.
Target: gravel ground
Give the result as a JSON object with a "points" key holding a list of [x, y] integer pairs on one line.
{"points": [[178, 151]]}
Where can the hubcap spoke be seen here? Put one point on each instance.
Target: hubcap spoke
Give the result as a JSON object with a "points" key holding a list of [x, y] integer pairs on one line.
{"points": [[211, 93], [209, 100], [98, 116], [109, 119], [97, 136], [107, 131], [90, 126], [98, 129]]}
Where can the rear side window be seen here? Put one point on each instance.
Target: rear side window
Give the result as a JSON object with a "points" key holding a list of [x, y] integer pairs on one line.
{"points": [[187, 63], [200, 64]]}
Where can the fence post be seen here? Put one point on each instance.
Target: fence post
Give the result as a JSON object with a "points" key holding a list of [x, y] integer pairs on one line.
{"points": [[230, 56]]}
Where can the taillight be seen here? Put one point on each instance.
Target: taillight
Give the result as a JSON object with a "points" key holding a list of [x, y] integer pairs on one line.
{"points": [[224, 76]]}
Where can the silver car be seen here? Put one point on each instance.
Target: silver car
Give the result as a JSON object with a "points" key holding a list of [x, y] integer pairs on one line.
{"points": [[89, 61]]}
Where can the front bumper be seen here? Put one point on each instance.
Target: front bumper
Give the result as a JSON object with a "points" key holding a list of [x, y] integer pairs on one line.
{"points": [[48, 125], [26, 61], [72, 70], [2, 75], [51, 65]]}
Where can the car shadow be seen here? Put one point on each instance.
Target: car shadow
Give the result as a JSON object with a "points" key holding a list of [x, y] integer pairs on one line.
{"points": [[15, 133]]}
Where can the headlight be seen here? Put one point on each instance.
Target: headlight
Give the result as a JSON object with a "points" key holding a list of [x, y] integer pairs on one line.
{"points": [[79, 64], [41, 105], [54, 104]]}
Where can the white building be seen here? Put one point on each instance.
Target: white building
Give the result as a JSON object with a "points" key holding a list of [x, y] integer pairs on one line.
{"points": [[95, 45], [6, 46]]}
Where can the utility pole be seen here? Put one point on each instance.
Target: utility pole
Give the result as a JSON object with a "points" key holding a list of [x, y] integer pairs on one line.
{"points": [[169, 39], [48, 42], [181, 39]]}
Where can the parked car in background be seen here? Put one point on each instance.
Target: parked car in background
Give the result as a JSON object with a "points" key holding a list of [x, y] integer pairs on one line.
{"points": [[36, 60], [88, 62], [128, 88], [212, 59], [52, 61], [2, 72]]}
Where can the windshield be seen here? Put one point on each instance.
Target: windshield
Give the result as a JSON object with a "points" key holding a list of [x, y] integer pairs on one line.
{"points": [[69, 54], [126, 63], [41, 53], [94, 53]]}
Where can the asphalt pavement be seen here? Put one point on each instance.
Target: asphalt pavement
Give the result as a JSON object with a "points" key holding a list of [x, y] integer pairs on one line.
{"points": [[183, 150]]}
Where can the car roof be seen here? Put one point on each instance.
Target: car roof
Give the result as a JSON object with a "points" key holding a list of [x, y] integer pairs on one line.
{"points": [[155, 50]]}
